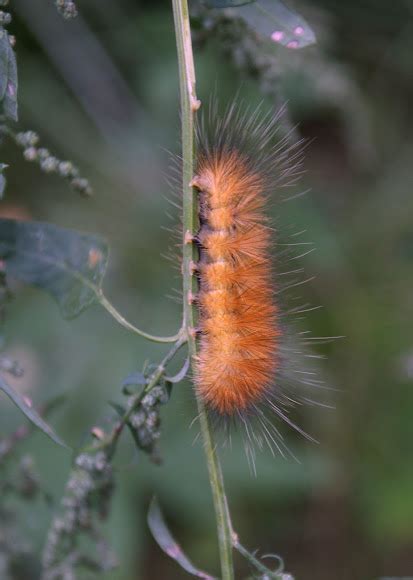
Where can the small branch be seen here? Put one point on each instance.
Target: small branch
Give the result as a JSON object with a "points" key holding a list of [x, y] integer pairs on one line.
{"points": [[154, 380], [123, 322], [189, 105], [109, 441], [89, 491], [28, 141]]}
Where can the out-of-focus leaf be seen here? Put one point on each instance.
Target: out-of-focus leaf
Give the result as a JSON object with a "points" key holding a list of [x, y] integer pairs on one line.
{"points": [[167, 543], [118, 408], [134, 383], [26, 408], [53, 403], [2, 179], [226, 3], [8, 77], [273, 20], [66, 263], [136, 378], [136, 438]]}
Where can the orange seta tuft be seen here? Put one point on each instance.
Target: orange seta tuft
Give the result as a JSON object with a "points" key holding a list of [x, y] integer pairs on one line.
{"points": [[237, 357]]}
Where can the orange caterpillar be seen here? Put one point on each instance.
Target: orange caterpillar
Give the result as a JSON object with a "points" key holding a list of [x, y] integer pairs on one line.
{"points": [[239, 332], [240, 163]]}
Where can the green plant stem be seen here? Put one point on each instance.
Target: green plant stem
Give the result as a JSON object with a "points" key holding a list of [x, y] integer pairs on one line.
{"points": [[218, 495], [189, 106], [126, 324]]}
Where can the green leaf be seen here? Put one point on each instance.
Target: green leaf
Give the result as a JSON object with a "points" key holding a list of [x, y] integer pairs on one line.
{"points": [[8, 77], [66, 263], [136, 378], [167, 543], [134, 383], [226, 3], [120, 410], [273, 20], [25, 406]]}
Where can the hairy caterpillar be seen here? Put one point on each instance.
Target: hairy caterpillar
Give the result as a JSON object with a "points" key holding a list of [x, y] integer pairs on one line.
{"points": [[239, 367]]}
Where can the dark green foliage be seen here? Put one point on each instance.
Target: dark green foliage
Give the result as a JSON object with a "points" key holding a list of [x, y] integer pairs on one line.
{"points": [[85, 503], [144, 423], [19, 482], [270, 20], [67, 264], [8, 77]]}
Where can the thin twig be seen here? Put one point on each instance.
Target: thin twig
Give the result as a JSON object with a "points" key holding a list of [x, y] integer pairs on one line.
{"points": [[126, 324], [110, 440], [153, 381]]}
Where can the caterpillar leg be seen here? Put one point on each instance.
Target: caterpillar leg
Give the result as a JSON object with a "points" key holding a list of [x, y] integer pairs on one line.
{"points": [[195, 182], [194, 267], [189, 238], [194, 332], [192, 298]]}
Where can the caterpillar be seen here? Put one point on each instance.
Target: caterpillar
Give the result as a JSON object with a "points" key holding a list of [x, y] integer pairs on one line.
{"points": [[239, 367]]}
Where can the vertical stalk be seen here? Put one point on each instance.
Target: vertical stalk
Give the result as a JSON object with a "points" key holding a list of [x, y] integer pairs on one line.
{"points": [[218, 495], [189, 106]]}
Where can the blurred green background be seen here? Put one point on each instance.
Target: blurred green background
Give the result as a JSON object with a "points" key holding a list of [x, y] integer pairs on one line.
{"points": [[102, 90]]}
